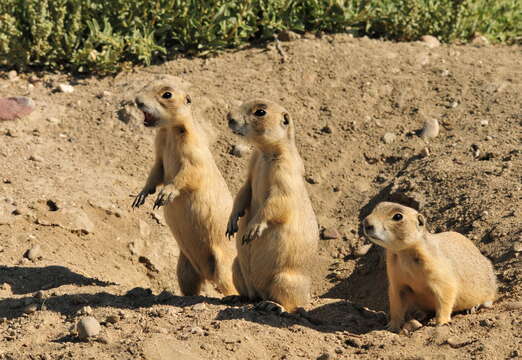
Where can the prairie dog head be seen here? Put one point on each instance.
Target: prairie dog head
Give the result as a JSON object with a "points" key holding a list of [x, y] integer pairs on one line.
{"points": [[163, 102], [262, 122], [394, 226]]}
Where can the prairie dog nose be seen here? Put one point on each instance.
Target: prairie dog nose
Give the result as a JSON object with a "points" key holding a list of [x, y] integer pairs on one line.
{"points": [[139, 102], [232, 123], [368, 227]]}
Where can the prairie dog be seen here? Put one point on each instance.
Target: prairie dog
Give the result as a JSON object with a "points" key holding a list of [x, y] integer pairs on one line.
{"points": [[195, 195], [278, 234], [442, 272]]}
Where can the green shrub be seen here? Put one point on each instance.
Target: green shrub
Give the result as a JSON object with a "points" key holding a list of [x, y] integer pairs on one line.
{"points": [[104, 35]]}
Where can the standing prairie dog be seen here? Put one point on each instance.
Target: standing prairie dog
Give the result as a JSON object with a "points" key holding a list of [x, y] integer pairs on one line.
{"points": [[278, 234], [196, 198], [442, 272]]}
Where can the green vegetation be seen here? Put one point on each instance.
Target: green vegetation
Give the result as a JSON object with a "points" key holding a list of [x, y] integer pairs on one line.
{"points": [[104, 35]]}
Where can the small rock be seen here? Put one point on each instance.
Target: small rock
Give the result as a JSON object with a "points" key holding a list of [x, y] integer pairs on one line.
{"points": [[29, 309], [196, 330], [65, 88], [330, 233], [388, 138], [287, 35], [454, 104], [354, 342], [33, 253], [239, 150], [363, 250], [517, 247], [39, 294], [88, 327], [36, 158], [484, 122], [12, 75], [412, 325], [15, 107], [199, 307], [456, 343], [33, 79], [430, 41], [479, 40], [54, 120], [445, 72], [430, 129], [86, 310], [514, 305], [104, 94]]}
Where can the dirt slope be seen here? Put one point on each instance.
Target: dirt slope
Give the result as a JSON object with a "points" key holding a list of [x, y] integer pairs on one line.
{"points": [[68, 172]]}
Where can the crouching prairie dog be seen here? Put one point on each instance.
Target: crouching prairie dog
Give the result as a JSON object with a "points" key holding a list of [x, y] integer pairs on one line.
{"points": [[442, 272], [195, 196], [278, 233]]}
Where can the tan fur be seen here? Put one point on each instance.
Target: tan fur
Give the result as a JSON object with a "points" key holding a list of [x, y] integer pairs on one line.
{"points": [[277, 237], [194, 193], [442, 272]]}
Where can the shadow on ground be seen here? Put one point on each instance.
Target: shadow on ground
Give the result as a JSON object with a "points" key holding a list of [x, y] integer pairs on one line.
{"points": [[26, 280]]}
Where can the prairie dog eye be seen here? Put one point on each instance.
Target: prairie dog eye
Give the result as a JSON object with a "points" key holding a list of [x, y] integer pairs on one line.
{"points": [[260, 112], [167, 95], [397, 217]]}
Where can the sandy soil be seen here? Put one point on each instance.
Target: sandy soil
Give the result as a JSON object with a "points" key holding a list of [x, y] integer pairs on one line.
{"points": [[68, 173]]}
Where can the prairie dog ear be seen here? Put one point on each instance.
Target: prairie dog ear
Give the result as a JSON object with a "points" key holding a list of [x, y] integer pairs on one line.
{"points": [[421, 221], [188, 99]]}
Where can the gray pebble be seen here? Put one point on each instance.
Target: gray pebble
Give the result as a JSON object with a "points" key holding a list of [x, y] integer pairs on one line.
{"points": [[430, 129], [199, 307], [65, 88], [388, 138], [36, 158], [12, 75], [330, 233], [197, 330], [88, 327], [33, 253]]}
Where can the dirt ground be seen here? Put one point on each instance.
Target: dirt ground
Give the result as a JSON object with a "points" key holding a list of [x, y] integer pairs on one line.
{"points": [[70, 170]]}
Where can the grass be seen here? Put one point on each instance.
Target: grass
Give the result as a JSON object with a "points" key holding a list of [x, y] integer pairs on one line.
{"points": [[100, 36]]}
